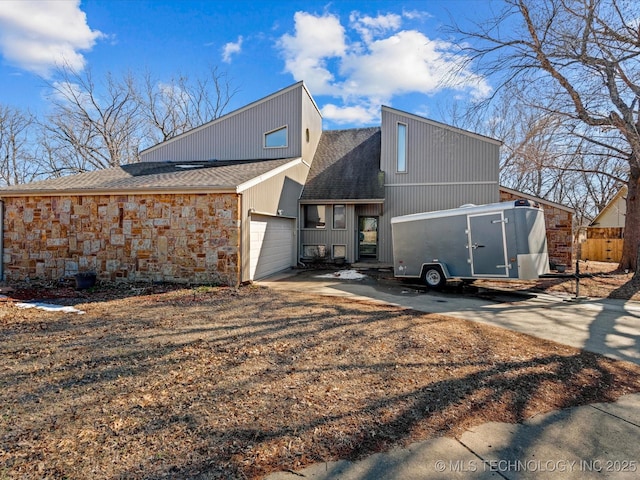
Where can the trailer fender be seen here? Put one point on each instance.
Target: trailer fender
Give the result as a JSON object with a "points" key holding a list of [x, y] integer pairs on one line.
{"points": [[434, 275]]}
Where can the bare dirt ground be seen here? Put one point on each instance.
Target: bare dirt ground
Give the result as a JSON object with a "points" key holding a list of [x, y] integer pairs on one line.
{"points": [[235, 383], [598, 280]]}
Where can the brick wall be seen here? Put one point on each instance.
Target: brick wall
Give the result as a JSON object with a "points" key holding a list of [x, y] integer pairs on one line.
{"points": [[559, 224], [165, 237]]}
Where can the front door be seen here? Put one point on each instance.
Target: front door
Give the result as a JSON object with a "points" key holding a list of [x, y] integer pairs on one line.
{"points": [[368, 237], [487, 247]]}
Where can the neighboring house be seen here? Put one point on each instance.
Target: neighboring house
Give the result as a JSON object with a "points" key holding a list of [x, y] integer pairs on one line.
{"points": [[246, 195], [559, 225], [604, 236]]}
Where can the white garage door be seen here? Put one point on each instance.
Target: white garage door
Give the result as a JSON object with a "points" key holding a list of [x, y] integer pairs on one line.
{"points": [[271, 245]]}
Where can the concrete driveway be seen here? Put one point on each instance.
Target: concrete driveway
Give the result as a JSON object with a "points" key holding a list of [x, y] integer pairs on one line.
{"points": [[605, 326]]}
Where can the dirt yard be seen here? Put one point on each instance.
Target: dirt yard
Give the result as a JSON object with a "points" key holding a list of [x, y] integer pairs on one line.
{"points": [[598, 280], [211, 383]]}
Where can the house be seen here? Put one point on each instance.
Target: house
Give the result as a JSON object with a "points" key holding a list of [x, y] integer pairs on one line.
{"points": [[604, 236], [559, 225], [361, 178], [246, 195]]}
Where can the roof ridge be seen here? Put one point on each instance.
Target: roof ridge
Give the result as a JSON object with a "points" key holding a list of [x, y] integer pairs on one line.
{"points": [[351, 129]]}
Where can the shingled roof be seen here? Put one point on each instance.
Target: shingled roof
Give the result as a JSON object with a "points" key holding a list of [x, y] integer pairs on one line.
{"points": [[155, 176], [346, 166]]}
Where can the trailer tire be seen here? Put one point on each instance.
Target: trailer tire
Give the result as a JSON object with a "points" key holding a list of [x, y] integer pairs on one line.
{"points": [[434, 278]]}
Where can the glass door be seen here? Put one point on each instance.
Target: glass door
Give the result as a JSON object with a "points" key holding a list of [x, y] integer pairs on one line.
{"points": [[368, 237]]}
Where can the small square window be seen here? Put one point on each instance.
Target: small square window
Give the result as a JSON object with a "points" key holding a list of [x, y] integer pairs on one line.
{"points": [[314, 216], [339, 217], [339, 251]]}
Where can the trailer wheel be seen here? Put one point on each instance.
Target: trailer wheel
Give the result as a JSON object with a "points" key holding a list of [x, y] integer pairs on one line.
{"points": [[434, 278]]}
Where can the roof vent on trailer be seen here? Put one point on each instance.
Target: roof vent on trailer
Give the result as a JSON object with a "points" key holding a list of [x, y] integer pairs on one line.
{"points": [[526, 203]]}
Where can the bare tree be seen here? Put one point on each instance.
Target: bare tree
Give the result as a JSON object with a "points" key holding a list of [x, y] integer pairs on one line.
{"points": [[173, 107], [97, 126], [16, 161], [580, 59]]}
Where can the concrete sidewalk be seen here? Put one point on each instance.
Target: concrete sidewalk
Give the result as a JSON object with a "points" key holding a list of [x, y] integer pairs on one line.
{"points": [[594, 441]]}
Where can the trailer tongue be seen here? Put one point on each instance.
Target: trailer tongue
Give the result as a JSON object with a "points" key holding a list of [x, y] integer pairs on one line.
{"points": [[500, 240]]}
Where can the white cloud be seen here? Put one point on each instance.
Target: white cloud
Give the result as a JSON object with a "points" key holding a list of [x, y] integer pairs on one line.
{"points": [[39, 35], [230, 49], [371, 27], [351, 114], [416, 14], [379, 61], [316, 41]]}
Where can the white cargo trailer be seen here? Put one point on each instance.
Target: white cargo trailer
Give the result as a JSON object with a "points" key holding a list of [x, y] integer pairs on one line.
{"points": [[500, 240]]}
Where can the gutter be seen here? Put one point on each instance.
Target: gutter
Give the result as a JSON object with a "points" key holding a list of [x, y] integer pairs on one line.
{"points": [[119, 191]]}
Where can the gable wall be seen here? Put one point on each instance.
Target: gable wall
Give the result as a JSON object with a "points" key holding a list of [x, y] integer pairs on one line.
{"points": [[240, 136], [446, 168], [614, 214], [278, 193], [436, 154], [312, 120], [161, 237]]}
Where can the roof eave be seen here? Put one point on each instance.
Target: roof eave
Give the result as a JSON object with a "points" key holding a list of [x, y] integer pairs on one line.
{"points": [[341, 200], [117, 191], [270, 174], [537, 199]]}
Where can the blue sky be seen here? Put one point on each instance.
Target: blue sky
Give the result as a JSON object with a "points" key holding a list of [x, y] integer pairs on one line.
{"points": [[353, 56]]}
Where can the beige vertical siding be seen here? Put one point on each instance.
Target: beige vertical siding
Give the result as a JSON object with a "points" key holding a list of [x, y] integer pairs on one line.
{"points": [[240, 135], [436, 153], [329, 236], [311, 121], [277, 195]]}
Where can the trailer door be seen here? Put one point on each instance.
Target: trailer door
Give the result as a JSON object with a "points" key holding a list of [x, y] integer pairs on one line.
{"points": [[487, 245]]}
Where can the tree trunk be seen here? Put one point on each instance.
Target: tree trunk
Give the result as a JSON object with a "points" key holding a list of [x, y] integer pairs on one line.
{"points": [[630, 258]]}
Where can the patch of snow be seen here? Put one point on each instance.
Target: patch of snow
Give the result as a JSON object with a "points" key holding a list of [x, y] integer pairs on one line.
{"points": [[49, 307], [343, 275]]}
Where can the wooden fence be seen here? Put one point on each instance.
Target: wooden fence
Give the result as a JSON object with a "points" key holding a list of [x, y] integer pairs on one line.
{"points": [[601, 249]]}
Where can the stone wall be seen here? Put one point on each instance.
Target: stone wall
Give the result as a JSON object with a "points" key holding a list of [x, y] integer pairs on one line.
{"points": [[163, 237], [559, 224]]}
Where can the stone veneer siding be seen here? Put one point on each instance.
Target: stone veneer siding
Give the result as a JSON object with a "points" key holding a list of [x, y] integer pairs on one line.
{"points": [[559, 225], [149, 237]]}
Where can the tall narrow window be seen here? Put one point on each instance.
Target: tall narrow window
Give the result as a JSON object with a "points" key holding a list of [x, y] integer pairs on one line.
{"points": [[276, 138], [401, 165], [339, 217]]}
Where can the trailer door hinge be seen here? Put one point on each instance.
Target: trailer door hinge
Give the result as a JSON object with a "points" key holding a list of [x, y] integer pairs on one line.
{"points": [[505, 220]]}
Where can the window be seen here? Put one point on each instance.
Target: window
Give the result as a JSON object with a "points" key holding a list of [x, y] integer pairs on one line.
{"points": [[276, 138], [401, 165], [339, 251], [314, 216], [339, 217], [314, 251]]}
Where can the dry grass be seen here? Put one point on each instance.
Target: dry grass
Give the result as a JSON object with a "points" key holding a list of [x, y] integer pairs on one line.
{"points": [[599, 280], [223, 383]]}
